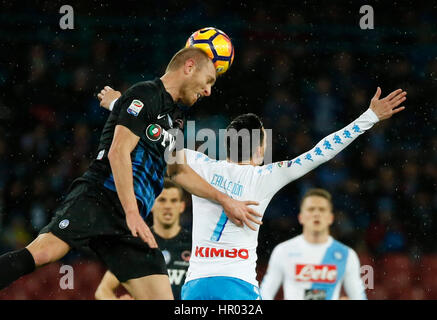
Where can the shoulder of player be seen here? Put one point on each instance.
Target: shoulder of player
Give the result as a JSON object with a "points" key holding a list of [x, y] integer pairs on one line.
{"points": [[287, 243], [342, 245], [352, 254], [200, 158], [145, 90]]}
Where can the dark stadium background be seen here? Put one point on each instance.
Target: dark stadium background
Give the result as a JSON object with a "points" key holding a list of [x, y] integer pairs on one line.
{"points": [[306, 67]]}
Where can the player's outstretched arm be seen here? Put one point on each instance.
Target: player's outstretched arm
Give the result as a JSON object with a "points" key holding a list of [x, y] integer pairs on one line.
{"points": [[285, 172], [237, 211]]}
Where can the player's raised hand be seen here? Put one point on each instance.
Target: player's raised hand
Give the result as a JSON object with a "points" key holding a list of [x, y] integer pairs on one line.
{"points": [[139, 228], [107, 95], [388, 106], [240, 214]]}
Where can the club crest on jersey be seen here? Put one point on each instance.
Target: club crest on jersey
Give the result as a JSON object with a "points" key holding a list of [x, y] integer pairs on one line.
{"points": [[186, 255], [153, 132], [135, 107], [64, 224]]}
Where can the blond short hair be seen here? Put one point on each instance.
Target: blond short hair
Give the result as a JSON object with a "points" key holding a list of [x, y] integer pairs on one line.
{"points": [[317, 192], [178, 60]]}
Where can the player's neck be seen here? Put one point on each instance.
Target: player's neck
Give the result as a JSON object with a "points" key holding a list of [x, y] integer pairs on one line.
{"points": [[171, 85], [316, 237], [167, 233]]}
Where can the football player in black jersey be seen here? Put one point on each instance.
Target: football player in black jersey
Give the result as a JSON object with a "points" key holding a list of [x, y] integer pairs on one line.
{"points": [[105, 208], [173, 240]]}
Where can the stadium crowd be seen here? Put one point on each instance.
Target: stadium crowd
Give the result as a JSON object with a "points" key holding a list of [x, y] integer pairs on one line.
{"points": [[306, 73]]}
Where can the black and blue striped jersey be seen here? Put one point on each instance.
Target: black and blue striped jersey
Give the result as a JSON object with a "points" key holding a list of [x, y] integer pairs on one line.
{"points": [[147, 110]]}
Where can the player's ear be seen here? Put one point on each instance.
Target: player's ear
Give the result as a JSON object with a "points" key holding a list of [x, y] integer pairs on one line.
{"points": [[183, 206], [331, 218], [299, 218], [153, 207], [189, 66]]}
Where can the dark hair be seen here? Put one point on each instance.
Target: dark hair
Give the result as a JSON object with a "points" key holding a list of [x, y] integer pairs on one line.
{"points": [[317, 192], [240, 135], [178, 60], [168, 184]]}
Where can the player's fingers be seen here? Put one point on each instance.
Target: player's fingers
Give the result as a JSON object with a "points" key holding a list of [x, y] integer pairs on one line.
{"points": [[401, 94], [151, 239], [253, 219], [249, 202], [398, 110], [398, 102], [377, 94], [134, 232], [237, 222], [108, 88], [100, 96], [398, 97], [143, 236], [247, 223], [253, 212], [393, 94]]}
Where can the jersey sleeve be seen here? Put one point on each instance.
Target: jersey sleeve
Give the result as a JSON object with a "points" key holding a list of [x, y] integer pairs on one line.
{"points": [[276, 175], [195, 159], [137, 107], [353, 284], [273, 278]]}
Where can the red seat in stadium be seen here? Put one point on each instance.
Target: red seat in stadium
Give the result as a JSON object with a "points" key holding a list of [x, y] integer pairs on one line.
{"points": [[396, 273], [396, 261], [397, 283], [379, 292], [367, 259], [87, 277], [426, 274], [413, 293]]}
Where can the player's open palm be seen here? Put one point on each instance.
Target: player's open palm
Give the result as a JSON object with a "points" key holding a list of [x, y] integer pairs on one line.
{"points": [[388, 106], [239, 212], [139, 228]]}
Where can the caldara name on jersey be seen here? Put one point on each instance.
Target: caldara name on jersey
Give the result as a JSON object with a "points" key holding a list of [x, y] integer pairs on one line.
{"points": [[324, 273]]}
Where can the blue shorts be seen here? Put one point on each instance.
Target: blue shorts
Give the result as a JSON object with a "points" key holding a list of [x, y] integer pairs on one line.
{"points": [[219, 288]]}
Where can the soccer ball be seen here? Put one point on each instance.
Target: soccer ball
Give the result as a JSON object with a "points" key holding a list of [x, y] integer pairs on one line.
{"points": [[216, 44]]}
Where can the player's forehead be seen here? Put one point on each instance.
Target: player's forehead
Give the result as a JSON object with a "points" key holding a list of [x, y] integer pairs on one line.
{"points": [[315, 201], [169, 193]]}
